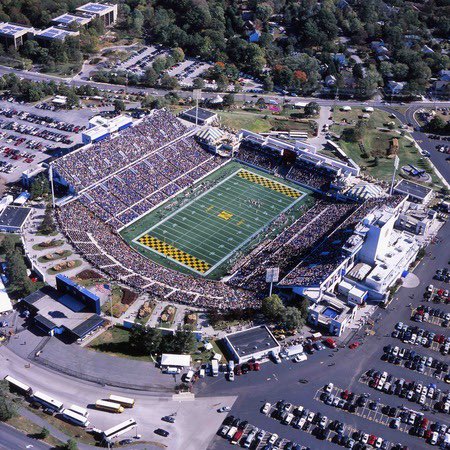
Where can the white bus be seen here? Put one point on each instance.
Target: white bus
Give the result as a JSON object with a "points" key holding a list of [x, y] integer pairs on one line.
{"points": [[18, 386], [75, 418], [47, 401], [118, 430], [126, 402], [79, 410], [109, 406]]}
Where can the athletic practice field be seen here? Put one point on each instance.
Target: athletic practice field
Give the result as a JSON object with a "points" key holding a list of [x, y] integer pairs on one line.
{"points": [[205, 232]]}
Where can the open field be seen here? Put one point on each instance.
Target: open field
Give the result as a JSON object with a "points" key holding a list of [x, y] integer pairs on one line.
{"points": [[373, 156], [204, 233]]}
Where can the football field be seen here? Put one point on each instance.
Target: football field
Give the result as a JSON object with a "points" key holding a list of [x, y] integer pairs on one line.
{"points": [[205, 232]]}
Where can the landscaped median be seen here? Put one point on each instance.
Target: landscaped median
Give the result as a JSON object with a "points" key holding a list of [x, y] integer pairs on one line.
{"points": [[59, 254], [64, 266], [48, 244]]}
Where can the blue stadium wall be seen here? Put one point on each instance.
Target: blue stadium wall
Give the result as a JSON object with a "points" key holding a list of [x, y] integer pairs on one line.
{"points": [[67, 286]]}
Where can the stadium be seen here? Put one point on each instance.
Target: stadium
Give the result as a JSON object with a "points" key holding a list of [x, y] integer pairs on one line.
{"points": [[152, 208]]}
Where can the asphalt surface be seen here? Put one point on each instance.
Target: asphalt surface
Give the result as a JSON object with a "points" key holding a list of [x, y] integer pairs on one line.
{"points": [[275, 382], [11, 439]]}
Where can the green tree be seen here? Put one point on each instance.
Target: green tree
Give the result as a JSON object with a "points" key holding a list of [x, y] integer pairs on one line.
{"points": [[304, 307], [71, 444], [150, 77], [312, 109], [47, 225], [44, 433], [145, 340], [8, 245], [8, 409], [291, 318], [178, 54], [40, 187], [119, 105], [198, 83], [228, 100], [184, 342], [168, 82], [272, 307]]}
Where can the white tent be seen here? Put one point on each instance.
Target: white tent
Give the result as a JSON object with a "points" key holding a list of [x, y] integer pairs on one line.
{"points": [[171, 360], [5, 302], [216, 100]]}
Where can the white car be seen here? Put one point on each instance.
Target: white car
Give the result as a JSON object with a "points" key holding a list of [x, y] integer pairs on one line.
{"points": [[434, 438], [329, 387], [224, 430], [231, 376], [266, 408], [364, 438], [273, 438], [300, 358], [378, 443], [310, 417], [288, 419]]}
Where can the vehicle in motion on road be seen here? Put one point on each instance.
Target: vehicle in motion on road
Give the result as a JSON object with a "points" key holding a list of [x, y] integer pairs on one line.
{"points": [[109, 406], [161, 432], [126, 402]]}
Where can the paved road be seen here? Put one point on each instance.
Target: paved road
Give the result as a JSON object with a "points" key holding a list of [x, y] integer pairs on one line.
{"points": [[240, 96], [276, 382], [11, 439]]}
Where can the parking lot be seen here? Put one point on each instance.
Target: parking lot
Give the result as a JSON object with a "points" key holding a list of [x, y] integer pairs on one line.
{"points": [[140, 60], [344, 368], [29, 134]]}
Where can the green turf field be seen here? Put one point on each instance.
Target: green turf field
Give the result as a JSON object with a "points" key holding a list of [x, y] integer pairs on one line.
{"points": [[205, 232]]}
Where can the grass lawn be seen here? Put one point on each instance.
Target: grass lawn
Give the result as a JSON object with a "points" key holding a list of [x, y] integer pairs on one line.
{"points": [[73, 431], [376, 142], [31, 429], [206, 355], [114, 341], [263, 121]]}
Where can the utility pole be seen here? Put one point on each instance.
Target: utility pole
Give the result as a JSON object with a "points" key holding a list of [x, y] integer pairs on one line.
{"points": [[196, 94]]}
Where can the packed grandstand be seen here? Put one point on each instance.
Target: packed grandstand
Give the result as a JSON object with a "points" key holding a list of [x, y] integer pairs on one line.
{"points": [[121, 179]]}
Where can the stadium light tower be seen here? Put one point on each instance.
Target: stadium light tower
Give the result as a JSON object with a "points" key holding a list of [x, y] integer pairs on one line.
{"points": [[396, 163], [196, 95], [50, 176], [272, 276]]}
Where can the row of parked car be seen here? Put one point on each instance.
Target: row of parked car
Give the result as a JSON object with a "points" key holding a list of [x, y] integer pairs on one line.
{"points": [[435, 433], [424, 313], [247, 436], [37, 119], [414, 361], [418, 336], [37, 131], [414, 391]]}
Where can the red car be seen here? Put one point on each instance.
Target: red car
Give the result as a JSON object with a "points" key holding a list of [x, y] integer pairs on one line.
{"points": [[237, 370], [345, 394], [256, 366], [330, 342], [354, 345], [372, 439]]}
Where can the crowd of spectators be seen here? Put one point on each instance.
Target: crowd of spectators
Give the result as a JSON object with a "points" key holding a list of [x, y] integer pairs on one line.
{"points": [[292, 244], [125, 177], [130, 267], [320, 263]]}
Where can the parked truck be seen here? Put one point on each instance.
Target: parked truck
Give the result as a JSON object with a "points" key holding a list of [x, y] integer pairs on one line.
{"points": [[214, 368]]}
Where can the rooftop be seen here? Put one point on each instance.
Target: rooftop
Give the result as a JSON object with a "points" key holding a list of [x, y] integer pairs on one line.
{"points": [[13, 216], [56, 33], [413, 189], [11, 29], [95, 8], [203, 114], [67, 19], [252, 340]]}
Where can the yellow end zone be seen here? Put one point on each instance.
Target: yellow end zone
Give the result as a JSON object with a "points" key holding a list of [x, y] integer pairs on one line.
{"points": [[174, 253]]}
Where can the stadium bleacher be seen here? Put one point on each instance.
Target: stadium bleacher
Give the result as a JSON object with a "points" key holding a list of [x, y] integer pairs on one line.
{"points": [[122, 178]]}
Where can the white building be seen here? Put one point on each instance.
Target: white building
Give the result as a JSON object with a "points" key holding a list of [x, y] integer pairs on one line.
{"points": [[254, 343]]}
